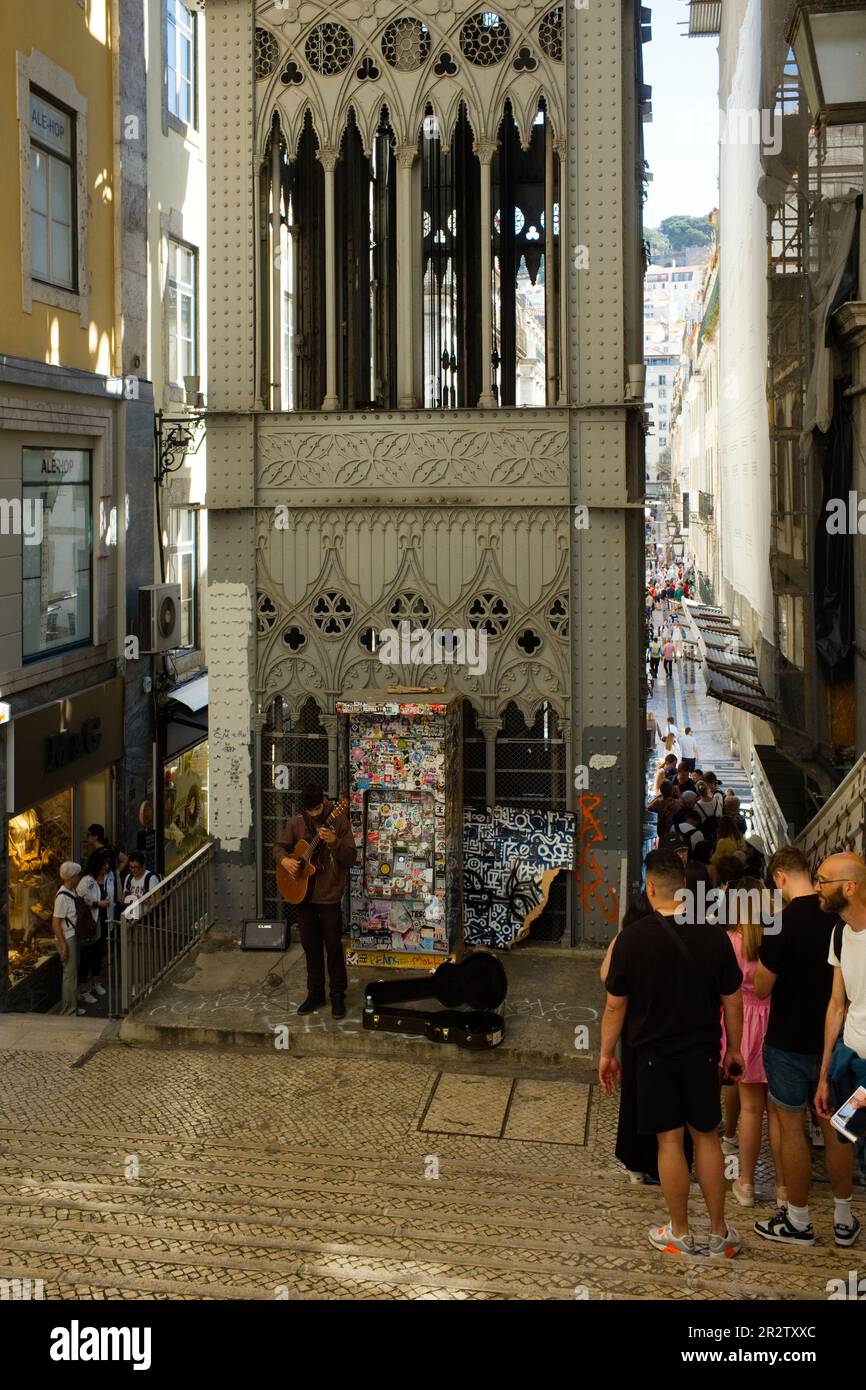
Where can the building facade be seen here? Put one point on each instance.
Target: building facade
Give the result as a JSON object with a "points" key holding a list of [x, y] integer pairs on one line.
{"points": [[76, 441], [403, 216], [176, 40]]}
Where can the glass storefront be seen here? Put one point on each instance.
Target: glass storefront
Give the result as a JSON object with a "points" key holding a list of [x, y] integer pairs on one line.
{"points": [[39, 840], [186, 817]]}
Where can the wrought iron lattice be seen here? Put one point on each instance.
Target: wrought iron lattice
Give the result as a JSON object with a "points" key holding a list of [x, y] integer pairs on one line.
{"points": [[490, 613], [530, 772], [266, 612], [485, 39], [332, 614], [299, 749], [474, 760], [406, 44], [412, 608], [550, 34], [267, 51], [329, 48], [557, 615]]}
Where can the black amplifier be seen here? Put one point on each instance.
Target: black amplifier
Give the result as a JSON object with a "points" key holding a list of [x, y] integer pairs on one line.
{"points": [[264, 936]]}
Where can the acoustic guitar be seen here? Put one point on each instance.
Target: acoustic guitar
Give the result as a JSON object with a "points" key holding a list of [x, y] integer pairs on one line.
{"points": [[296, 890]]}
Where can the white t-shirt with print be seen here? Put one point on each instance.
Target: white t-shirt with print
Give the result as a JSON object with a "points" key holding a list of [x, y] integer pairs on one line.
{"points": [[65, 911], [854, 974]]}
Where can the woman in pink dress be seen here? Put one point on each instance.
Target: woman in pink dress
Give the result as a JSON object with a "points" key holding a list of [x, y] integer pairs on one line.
{"points": [[745, 931]]}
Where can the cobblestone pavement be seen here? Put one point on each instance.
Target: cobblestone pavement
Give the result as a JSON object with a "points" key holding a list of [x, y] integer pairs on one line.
{"points": [[139, 1173]]}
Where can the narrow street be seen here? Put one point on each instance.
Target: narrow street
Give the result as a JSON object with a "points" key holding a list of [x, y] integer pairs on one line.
{"points": [[143, 1173]]}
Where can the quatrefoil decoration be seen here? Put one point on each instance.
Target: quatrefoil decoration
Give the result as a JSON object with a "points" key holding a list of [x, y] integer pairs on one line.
{"points": [[367, 72], [524, 62], [291, 74], [446, 67]]}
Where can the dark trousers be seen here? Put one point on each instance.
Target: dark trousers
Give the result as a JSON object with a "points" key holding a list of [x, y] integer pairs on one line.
{"points": [[654, 665], [321, 929], [669, 670]]}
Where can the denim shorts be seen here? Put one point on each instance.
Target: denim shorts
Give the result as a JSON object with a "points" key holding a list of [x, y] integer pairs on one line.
{"points": [[792, 1077]]}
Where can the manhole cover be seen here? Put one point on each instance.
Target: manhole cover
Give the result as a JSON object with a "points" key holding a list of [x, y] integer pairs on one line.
{"points": [[499, 1107]]}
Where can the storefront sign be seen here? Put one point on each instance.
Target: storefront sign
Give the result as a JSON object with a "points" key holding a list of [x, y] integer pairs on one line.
{"points": [[60, 744], [69, 746]]}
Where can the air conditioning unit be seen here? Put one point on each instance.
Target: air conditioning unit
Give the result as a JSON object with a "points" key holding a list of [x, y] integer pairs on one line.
{"points": [[159, 617]]}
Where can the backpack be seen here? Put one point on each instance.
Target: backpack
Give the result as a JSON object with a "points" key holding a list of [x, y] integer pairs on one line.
{"points": [[150, 882], [85, 927]]}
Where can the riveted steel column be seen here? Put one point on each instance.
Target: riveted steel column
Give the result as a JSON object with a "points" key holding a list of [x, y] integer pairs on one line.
{"points": [[328, 160], [485, 150]]}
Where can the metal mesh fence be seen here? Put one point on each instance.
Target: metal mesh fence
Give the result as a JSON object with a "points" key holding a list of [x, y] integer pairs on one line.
{"points": [[293, 754], [474, 760], [531, 772]]}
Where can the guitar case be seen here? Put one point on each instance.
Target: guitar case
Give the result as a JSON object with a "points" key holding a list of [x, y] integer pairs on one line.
{"points": [[478, 981]]}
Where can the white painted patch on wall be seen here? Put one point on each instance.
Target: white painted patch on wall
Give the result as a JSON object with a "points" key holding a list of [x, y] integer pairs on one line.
{"points": [[229, 628], [604, 760]]}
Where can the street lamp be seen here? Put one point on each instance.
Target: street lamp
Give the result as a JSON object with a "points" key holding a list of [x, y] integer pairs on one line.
{"points": [[829, 41]]}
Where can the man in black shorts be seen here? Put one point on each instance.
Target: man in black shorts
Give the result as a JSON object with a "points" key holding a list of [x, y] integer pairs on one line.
{"points": [[667, 983]]}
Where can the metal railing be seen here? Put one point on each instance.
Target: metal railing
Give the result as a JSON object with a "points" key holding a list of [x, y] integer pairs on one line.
{"points": [[155, 932]]}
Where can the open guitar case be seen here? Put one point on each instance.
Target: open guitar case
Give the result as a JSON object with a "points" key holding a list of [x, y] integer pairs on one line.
{"points": [[470, 991]]}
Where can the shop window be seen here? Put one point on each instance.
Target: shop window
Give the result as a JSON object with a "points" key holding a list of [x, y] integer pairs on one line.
{"points": [[52, 193], [185, 791], [56, 553], [182, 568], [180, 62], [181, 306], [39, 841]]}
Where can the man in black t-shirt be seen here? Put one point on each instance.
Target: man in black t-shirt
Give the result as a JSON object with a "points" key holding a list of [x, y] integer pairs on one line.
{"points": [[795, 973], [668, 981]]}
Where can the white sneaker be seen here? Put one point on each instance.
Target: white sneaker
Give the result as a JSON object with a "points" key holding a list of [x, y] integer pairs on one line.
{"points": [[87, 998], [99, 989]]}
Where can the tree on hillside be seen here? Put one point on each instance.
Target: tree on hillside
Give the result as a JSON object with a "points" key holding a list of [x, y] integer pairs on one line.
{"points": [[681, 232]]}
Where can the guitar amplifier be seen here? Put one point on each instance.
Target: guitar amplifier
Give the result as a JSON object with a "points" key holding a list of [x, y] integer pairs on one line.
{"points": [[264, 936]]}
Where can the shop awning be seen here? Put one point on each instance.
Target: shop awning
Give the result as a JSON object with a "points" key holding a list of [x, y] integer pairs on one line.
{"points": [[186, 716], [192, 696], [729, 666]]}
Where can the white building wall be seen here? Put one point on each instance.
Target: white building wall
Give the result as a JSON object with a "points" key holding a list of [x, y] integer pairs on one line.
{"points": [[744, 502]]}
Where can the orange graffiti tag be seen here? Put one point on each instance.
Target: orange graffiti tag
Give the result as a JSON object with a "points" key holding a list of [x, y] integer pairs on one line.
{"points": [[594, 891]]}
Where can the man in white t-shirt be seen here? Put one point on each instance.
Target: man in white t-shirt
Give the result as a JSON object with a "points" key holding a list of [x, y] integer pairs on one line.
{"points": [[688, 750], [63, 927], [841, 885]]}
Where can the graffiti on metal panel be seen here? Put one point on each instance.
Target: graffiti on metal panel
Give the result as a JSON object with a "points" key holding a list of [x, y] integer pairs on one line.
{"points": [[594, 891]]}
